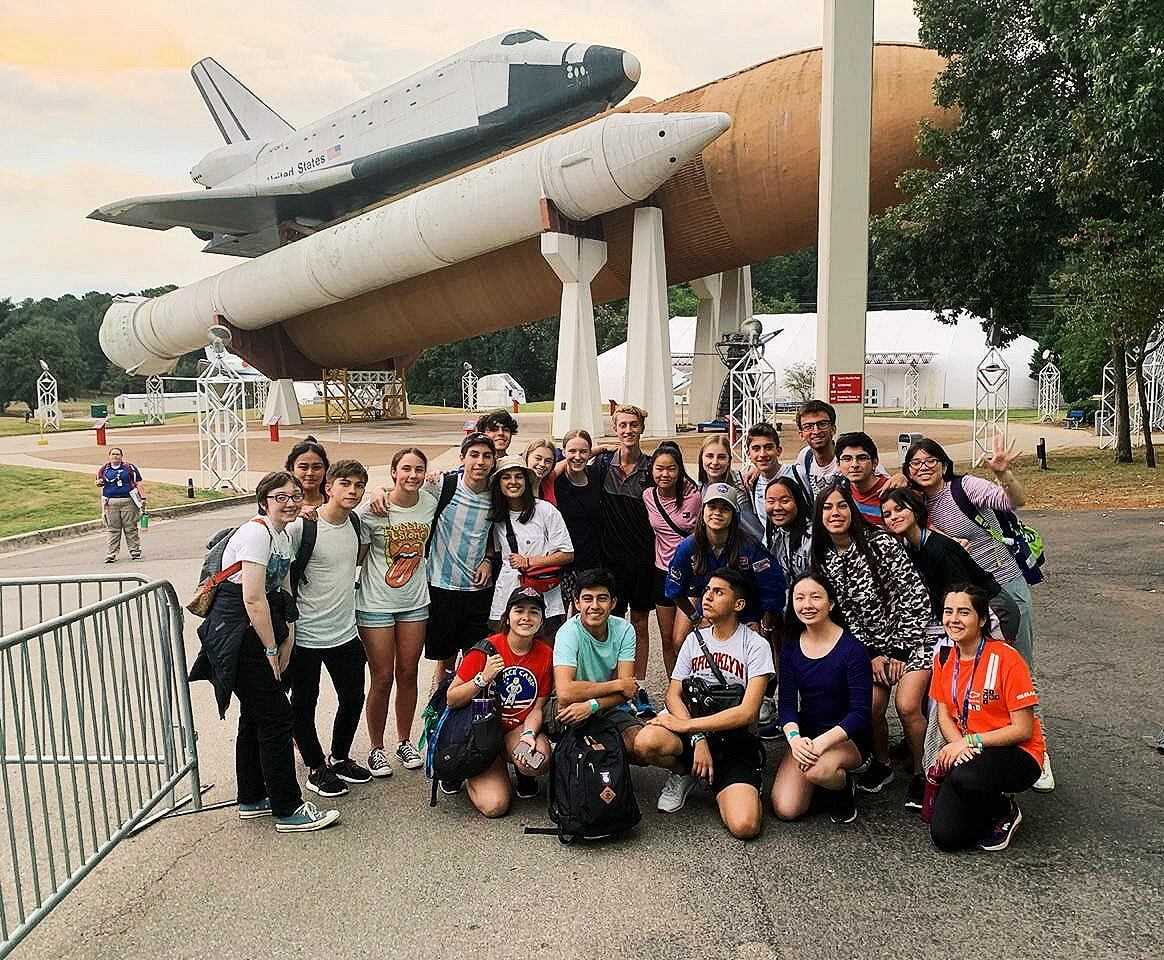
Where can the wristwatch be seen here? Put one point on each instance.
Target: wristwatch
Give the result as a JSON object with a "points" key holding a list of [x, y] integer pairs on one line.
{"points": [[271, 651], [479, 681], [696, 737]]}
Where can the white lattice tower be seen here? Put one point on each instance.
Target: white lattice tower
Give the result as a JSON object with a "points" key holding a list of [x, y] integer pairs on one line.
{"points": [[751, 394], [1105, 416], [469, 390], [912, 406], [48, 403], [155, 400], [222, 424], [1050, 393], [991, 404], [259, 391], [1154, 387]]}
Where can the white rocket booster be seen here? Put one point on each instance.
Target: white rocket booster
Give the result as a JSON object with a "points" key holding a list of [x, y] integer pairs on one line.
{"points": [[586, 172]]}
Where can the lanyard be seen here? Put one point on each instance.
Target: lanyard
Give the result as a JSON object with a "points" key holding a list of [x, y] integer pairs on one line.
{"points": [[954, 682]]}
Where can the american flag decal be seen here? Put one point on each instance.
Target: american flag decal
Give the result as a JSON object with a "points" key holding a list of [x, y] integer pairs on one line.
{"points": [[333, 152]]}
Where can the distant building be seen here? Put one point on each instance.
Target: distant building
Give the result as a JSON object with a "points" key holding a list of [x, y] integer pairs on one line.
{"points": [[947, 379], [498, 390]]}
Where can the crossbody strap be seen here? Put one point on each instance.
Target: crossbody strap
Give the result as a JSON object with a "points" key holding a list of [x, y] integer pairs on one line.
{"points": [[666, 516], [719, 677]]}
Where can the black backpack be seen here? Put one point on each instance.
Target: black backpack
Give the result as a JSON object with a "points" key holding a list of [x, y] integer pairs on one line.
{"points": [[590, 794], [460, 745]]}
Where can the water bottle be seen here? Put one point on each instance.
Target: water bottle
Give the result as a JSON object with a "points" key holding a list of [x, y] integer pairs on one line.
{"points": [[934, 780], [482, 707]]}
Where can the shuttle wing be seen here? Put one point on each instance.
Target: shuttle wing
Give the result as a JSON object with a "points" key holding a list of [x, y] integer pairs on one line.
{"points": [[234, 210]]}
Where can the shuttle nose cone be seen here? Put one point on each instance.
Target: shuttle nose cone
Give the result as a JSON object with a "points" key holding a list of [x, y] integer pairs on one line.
{"points": [[631, 68]]}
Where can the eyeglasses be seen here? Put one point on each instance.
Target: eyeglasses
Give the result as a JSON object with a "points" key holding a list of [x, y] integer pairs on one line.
{"points": [[854, 458], [815, 425], [927, 462], [282, 498]]}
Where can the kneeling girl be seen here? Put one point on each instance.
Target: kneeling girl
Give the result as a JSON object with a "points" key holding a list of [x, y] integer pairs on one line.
{"points": [[825, 707], [522, 670]]}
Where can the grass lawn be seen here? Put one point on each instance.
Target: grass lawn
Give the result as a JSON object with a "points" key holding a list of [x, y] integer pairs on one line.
{"points": [[40, 499], [1089, 479], [1023, 415], [14, 426]]}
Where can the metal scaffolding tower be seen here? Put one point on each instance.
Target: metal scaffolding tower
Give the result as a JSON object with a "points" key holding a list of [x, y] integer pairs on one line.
{"points": [[1050, 393], [469, 389], [751, 382], [222, 423], [351, 396], [48, 403], [155, 400], [991, 404]]}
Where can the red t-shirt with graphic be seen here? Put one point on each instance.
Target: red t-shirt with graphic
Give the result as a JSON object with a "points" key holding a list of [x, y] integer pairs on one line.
{"points": [[1001, 683], [522, 681]]}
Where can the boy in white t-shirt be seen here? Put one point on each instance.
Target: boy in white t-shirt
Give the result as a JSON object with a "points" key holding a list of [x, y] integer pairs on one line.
{"points": [[324, 583], [721, 748]]}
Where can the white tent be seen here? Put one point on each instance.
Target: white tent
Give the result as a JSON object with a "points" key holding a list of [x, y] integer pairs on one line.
{"points": [[947, 379], [497, 390]]}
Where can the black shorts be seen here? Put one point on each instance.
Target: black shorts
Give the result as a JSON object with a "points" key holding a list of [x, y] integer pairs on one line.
{"points": [[634, 586], [659, 585], [457, 619], [736, 758]]}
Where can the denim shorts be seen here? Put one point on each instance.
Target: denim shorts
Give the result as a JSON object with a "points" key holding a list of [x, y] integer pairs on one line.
{"points": [[376, 618]]}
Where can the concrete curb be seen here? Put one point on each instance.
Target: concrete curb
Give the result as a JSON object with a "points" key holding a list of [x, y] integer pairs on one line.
{"points": [[36, 538]]}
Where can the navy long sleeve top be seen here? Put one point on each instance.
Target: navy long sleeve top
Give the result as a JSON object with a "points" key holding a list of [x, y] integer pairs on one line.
{"points": [[834, 690]]}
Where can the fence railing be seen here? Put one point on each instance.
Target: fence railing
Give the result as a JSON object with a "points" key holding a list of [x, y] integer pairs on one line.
{"points": [[96, 730]]}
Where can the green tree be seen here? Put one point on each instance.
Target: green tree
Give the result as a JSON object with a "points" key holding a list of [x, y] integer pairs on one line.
{"points": [[21, 351]]}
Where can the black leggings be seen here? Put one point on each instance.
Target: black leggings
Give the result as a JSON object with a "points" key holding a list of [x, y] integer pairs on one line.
{"points": [[970, 798], [345, 664]]}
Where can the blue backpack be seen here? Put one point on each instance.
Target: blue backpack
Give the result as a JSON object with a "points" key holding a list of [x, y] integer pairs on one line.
{"points": [[1024, 542]]}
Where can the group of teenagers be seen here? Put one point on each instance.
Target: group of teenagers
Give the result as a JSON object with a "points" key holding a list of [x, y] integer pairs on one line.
{"points": [[820, 589]]}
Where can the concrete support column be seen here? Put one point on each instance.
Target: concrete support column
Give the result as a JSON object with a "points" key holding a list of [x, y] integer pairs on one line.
{"points": [[843, 242], [736, 300], [648, 338], [576, 261], [282, 403], [707, 372]]}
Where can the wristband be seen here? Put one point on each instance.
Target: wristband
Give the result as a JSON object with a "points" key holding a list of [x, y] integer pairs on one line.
{"points": [[530, 732], [593, 705], [969, 738], [791, 734], [978, 740], [696, 737], [271, 651]]}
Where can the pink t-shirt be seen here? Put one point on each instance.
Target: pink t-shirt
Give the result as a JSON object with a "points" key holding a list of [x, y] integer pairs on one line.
{"points": [[683, 516]]}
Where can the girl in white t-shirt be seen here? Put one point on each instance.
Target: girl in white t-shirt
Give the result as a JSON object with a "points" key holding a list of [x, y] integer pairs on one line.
{"points": [[392, 606], [536, 529]]}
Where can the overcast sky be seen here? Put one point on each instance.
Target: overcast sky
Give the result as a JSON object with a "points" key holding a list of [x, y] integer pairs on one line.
{"points": [[97, 104]]}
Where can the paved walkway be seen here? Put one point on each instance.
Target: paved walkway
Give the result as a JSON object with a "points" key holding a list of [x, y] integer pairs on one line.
{"points": [[170, 454], [397, 878]]}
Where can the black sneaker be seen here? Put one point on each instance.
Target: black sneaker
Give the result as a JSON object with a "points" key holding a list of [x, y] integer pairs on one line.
{"points": [[845, 802], [642, 705], [876, 776], [915, 793], [325, 783], [525, 787], [350, 771], [450, 787]]}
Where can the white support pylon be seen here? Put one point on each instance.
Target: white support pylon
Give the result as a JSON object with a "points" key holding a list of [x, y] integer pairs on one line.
{"points": [[282, 403], [843, 240], [576, 261], [649, 382], [735, 305], [706, 369]]}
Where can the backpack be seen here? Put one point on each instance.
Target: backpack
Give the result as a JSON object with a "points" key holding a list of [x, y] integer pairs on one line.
{"points": [[307, 548], [1024, 542], [590, 794], [459, 744], [444, 498], [212, 574]]}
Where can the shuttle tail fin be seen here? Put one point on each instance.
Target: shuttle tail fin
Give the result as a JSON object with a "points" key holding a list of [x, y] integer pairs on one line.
{"points": [[239, 114]]}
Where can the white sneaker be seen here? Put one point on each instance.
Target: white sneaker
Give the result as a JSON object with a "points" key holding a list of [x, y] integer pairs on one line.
{"points": [[409, 756], [378, 765], [675, 792], [1046, 781]]}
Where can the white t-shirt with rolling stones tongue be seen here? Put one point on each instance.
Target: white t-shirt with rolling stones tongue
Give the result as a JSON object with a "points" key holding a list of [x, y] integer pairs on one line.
{"points": [[327, 593], [742, 656], [394, 579]]}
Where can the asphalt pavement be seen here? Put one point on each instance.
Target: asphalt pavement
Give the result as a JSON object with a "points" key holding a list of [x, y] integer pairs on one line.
{"points": [[397, 878]]}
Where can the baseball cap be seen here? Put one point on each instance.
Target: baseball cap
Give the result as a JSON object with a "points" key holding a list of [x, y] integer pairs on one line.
{"points": [[477, 440], [524, 595], [722, 491]]}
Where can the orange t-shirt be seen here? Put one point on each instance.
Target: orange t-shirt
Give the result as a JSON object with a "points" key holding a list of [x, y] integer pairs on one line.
{"points": [[1001, 683]]}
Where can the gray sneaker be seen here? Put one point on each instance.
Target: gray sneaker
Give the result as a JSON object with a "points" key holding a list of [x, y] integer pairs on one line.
{"points": [[675, 792]]}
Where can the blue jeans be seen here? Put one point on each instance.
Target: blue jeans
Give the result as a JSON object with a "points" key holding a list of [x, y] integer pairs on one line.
{"points": [[1020, 592]]}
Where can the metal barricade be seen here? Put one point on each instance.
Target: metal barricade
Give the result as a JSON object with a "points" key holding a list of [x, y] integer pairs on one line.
{"points": [[96, 729]]}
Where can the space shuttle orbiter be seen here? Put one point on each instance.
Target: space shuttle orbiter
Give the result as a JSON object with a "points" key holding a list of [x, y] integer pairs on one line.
{"points": [[272, 181]]}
